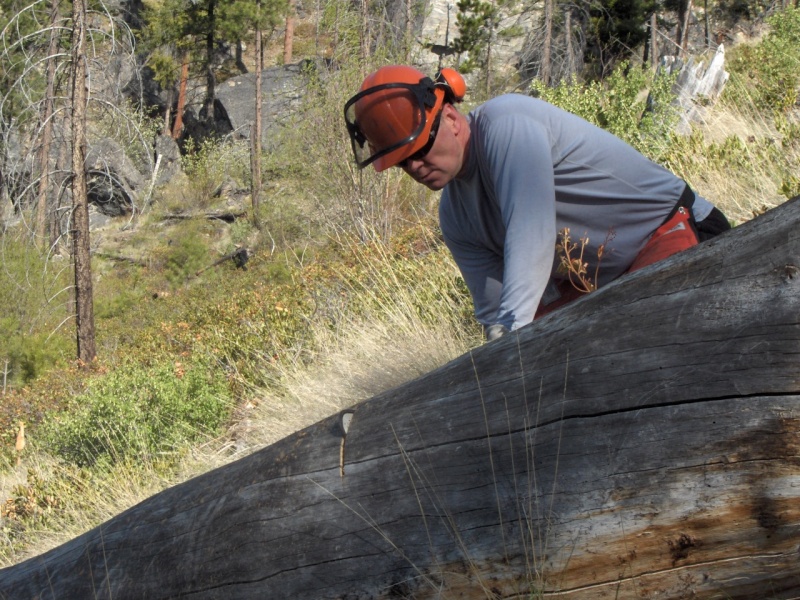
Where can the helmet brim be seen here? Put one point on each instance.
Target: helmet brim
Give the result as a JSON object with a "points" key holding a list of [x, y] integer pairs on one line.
{"points": [[386, 137]]}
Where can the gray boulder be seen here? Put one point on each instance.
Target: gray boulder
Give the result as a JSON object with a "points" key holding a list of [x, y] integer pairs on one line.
{"points": [[168, 159], [113, 182], [281, 90]]}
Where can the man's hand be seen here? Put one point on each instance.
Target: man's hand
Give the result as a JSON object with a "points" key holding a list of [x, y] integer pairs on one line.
{"points": [[492, 332]]}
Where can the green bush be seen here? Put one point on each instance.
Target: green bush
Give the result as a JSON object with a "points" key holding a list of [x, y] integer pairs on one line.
{"points": [[140, 413], [767, 75], [633, 104], [33, 294], [211, 164], [186, 253], [30, 355]]}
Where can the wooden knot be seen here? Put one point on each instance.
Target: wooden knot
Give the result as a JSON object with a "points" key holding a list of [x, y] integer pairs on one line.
{"points": [[790, 273]]}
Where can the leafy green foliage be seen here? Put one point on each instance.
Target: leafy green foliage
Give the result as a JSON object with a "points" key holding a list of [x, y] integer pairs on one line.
{"points": [[30, 355], [209, 165], [339, 29], [615, 29], [476, 21], [186, 254], [34, 297], [140, 413], [633, 104], [177, 27], [767, 75]]}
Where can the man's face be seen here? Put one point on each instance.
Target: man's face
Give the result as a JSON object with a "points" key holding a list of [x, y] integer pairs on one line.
{"points": [[445, 158]]}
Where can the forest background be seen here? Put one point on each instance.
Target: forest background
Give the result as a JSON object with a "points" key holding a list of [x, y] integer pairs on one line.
{"points": [[193, 359]]}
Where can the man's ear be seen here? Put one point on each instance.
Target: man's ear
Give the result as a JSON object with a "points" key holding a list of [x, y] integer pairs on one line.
{"points": [[453, 118]]}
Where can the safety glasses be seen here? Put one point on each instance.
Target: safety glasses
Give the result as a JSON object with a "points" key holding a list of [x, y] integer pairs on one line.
{"points": [[423, 152], [394, 108]]}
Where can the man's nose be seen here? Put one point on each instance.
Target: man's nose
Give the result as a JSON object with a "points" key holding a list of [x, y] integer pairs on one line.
{"points": [[411, 166]]}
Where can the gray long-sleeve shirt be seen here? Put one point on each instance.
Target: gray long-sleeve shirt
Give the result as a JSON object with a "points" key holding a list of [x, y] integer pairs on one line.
{"points": [[533, 170]]}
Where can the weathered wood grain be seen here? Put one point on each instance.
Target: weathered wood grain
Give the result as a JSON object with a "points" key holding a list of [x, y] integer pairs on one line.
{"points": [[641, 443]]}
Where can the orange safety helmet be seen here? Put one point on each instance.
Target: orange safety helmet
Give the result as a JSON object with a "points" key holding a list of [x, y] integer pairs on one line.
{"points": [[395, 113]]}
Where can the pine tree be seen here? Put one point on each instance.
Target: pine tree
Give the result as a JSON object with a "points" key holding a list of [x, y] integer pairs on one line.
{"points": [[476, 21]]}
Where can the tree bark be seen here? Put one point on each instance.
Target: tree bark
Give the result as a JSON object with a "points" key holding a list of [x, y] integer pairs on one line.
{"points": [[654, 41], [80, 203], [211, 78], [177, 128], [288, 36], [683, 39], [255, 138], [167, 129], [683, 9], [570, 69], [641, 442], [42, 207], [548, 42]]}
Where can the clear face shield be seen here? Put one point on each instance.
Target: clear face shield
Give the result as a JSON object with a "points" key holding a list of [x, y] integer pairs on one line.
{"points": [[386, 117]]}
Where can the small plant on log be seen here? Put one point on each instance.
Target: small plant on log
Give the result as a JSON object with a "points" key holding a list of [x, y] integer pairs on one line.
{"points": [[572, 262]]}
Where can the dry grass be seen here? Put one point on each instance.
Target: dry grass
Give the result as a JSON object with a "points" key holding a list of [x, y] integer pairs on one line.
{"points": [[387, 345], [746, 181], [79, 502], [745, 191]]}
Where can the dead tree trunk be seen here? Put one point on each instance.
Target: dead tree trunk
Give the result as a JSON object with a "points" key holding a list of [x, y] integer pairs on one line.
{"points": [[182, 86], [288, 36], [84, 301], [43, 207], [544, 72], [642, 442], [255, 136]]}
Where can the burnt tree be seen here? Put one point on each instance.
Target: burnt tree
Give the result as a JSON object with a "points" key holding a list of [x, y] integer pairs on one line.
{"points": [[642, 442]]}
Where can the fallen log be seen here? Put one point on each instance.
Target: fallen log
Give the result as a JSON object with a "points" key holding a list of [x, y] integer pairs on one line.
{"points": [[643, 442]]}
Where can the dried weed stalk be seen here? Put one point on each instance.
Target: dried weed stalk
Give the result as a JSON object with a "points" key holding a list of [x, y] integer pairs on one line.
{"points": [[572, 263]]}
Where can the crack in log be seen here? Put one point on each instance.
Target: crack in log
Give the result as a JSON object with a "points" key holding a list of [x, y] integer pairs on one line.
{"points": [[570, 418], [676, 569]]}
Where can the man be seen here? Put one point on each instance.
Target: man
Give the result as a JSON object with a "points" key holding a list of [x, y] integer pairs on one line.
{"points": [[515, 172]]}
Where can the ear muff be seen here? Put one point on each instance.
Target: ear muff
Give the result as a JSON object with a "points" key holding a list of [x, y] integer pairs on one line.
{"points": [[453, 83]]}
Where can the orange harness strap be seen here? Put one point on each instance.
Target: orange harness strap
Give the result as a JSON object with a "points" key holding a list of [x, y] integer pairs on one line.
{"points": [[674, 236]]}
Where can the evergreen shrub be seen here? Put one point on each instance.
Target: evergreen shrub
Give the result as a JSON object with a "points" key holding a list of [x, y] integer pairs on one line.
{"points": [[767, 75], [140, 413], [632, 103], [186, 253], [34, 294]]}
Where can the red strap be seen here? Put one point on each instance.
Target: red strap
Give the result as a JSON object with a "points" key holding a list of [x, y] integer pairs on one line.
{"points": [[675, 235]]}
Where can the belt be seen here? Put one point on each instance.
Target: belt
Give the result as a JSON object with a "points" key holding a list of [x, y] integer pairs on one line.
{"points": [[685, 201]]}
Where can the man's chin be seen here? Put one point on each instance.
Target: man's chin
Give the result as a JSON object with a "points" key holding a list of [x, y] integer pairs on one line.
{"points": [[434, 185]]}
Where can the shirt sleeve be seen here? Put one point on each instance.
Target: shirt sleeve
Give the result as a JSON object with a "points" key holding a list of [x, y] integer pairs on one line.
{"points": [[482, 271], [517, 159]]}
